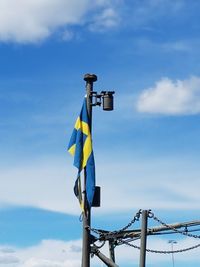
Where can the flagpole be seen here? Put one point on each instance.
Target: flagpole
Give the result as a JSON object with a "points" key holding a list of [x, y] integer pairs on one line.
{"points": [[90, 79]]}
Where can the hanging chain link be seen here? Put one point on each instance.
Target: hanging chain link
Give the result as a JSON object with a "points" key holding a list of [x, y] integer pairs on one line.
{"points": [[135, 218], [161, 251], [96, 231], [151, 215], [111, 234], [103, 235]]}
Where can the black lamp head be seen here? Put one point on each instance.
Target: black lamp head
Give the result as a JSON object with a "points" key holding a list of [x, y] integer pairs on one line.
{"points": [[107, 97]]}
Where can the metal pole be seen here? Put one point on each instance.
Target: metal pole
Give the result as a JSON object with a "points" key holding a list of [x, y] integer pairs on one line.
{"points": [[172, 242], [172, 255], [112, 250], [103, 258], [89, 78], [143, 238]]}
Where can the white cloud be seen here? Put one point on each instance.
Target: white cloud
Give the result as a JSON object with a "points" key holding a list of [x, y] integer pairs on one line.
{"points": [[177, 46], [126, 254], [143, 45], [51, 253], [181, 97], [30, 21], [67, 35], [105, 20], [150, 184], [148, 11], [6, 250], [8, 259], [48, 253], [48, 184], [45, 184], [57, 253]]}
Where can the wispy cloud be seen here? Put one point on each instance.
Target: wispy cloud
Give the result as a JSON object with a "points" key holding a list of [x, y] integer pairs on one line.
{"points": [[49, 253], [8, 259], [149, 184], [177, 46], [48, 184], [54, 253], [151, 10], [168, 97], [125, 253], [109, 18], [32, 21], [40, 184], [149, 45]]}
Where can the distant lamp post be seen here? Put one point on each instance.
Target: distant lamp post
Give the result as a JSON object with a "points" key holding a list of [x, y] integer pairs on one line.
{"points": [[172, 242]]}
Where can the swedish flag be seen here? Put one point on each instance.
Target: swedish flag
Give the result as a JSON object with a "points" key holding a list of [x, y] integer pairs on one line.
{"points": [[80, 146]]}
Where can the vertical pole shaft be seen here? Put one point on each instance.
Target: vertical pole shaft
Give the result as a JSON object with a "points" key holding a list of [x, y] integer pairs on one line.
{"points": [[112, 250], [143, 238], [172, 242], [172, 246], [172, 256], [89, 78]]}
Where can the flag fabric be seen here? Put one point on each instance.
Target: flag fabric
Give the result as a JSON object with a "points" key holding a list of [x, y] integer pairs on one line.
{"points": [[80, 147]]}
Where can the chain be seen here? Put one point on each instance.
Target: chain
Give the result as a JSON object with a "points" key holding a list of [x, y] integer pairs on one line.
{"points": [[135, 218], [151, 215], [96, 231], [162, 251], [111, 234]]}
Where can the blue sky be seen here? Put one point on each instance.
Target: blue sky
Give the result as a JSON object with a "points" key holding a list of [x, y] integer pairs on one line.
{"points": [[146, 150]]}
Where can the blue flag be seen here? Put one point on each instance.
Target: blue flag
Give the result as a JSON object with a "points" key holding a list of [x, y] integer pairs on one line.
{"points": [[80, 146]]}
